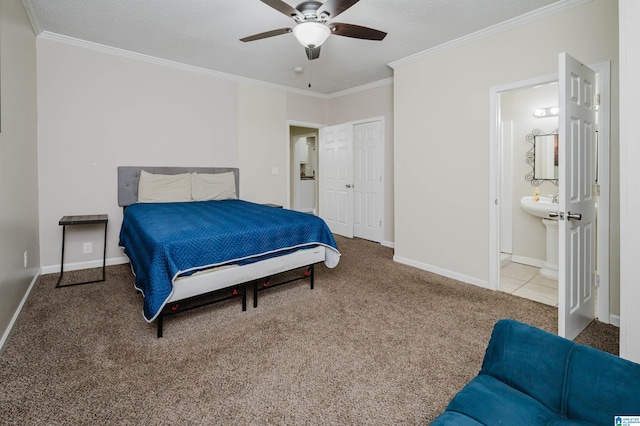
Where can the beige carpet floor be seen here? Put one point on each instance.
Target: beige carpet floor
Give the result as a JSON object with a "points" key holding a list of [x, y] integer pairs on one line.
{"points": [[375, 343]]}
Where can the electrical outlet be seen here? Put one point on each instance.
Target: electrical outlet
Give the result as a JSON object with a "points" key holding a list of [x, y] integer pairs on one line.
{"points": [[87, 248], [26, 258]]}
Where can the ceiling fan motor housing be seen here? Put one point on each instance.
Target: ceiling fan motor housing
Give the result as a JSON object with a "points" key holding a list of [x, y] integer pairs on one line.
{"points": [[309, 9]]}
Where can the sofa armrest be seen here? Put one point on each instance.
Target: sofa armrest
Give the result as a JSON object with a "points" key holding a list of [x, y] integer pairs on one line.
{"points": [[600, 386], [528, 359]]}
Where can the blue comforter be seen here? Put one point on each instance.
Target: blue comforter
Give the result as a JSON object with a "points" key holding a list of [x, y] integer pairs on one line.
{"points": [[165, 240]]}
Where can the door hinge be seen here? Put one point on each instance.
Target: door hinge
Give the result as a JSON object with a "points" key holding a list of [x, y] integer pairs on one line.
{"points": [[596, 189], [597, 280], [596, 99], [380, 223]]}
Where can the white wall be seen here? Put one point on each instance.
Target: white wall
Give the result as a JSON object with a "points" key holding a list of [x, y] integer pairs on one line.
{"points": [[18, 161], [98, 111], [442, 126], [629, 178], [263, 144], [307, 109]]}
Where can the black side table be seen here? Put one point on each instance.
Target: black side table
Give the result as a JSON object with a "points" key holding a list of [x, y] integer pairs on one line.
{"points": [[91, 219]]}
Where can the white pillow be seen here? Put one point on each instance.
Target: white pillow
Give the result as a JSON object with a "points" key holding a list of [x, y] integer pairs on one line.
{"points": [[217, 186], [156, 188]]}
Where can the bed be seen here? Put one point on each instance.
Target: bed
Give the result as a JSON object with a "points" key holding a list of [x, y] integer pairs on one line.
{"points": [[186, 254]]}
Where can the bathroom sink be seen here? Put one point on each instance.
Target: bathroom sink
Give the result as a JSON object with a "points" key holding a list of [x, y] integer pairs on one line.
{"points": [[540, 208]]}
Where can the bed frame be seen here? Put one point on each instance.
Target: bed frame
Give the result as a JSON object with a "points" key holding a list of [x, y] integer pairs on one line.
{"points": [[223, 283]]}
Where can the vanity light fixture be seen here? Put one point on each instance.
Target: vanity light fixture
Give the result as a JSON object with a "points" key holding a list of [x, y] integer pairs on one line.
{"points": [[546, 112]]}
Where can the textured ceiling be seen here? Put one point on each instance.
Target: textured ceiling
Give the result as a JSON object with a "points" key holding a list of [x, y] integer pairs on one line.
{"points": [[206, 33]]}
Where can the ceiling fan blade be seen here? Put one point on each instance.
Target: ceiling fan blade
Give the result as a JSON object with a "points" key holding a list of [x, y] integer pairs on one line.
{"points": [[283, 7], [266, 34], [312, 52], [334, 8], [356, 31]]}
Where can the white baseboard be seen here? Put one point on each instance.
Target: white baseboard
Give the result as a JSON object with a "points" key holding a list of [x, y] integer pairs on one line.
{"points": [[614, 320], [7, 332], [528, 261], [389, 244], [444, 272], [52, 269]]}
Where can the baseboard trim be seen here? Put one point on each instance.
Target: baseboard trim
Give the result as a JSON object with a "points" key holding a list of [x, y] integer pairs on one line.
{"points": [[7, 332], [614, 320], [528, 261], [444, 272], [389, 244], [77, 266]]}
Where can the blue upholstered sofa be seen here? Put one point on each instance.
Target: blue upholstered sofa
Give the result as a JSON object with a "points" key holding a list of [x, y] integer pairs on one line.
{"points": [[532, 377]]}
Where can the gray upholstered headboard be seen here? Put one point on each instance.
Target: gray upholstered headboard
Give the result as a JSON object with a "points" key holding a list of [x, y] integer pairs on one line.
{"points": [[128, 177]]}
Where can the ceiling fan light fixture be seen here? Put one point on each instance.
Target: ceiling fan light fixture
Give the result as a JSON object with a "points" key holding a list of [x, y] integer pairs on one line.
{"points": [[311, 34]]}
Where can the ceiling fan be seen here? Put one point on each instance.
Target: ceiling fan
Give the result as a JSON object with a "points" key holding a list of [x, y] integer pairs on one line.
{"points": [[312, 27]]}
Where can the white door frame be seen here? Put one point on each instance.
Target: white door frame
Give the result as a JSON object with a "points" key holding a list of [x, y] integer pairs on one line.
{"points": [[603, 71]]}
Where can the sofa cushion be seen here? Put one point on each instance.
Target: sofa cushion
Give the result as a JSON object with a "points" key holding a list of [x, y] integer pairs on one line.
{"points": [[570, 422], [451, 418], [600, 386], [492, 402], [528, 359]]}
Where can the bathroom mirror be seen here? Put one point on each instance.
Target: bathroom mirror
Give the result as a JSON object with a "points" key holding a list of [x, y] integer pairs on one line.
{"points": [[543, 157]]}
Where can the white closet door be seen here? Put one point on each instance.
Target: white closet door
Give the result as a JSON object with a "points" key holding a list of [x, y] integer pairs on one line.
{"points": [[336, 178]]}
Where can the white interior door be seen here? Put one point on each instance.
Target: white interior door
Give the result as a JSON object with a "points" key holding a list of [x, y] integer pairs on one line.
{"points": [[336, 178], [367, 181], [577, 150]]}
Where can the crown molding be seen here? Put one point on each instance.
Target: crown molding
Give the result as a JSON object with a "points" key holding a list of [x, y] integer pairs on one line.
{"points": [[520, 20], [527, 18], [362, 88], [46, 35], [33, 18]]}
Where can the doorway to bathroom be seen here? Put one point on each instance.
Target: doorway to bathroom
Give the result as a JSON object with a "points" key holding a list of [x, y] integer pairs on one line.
{"points": [[304, 169], [507, 216], [528, 265]]}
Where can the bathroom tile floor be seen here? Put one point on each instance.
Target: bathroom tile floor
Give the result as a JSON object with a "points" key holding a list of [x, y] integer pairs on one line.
{"points": [[525, 281]]}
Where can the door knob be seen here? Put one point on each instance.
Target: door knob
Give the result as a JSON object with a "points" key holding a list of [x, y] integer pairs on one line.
{"points": [[576, 216]]}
